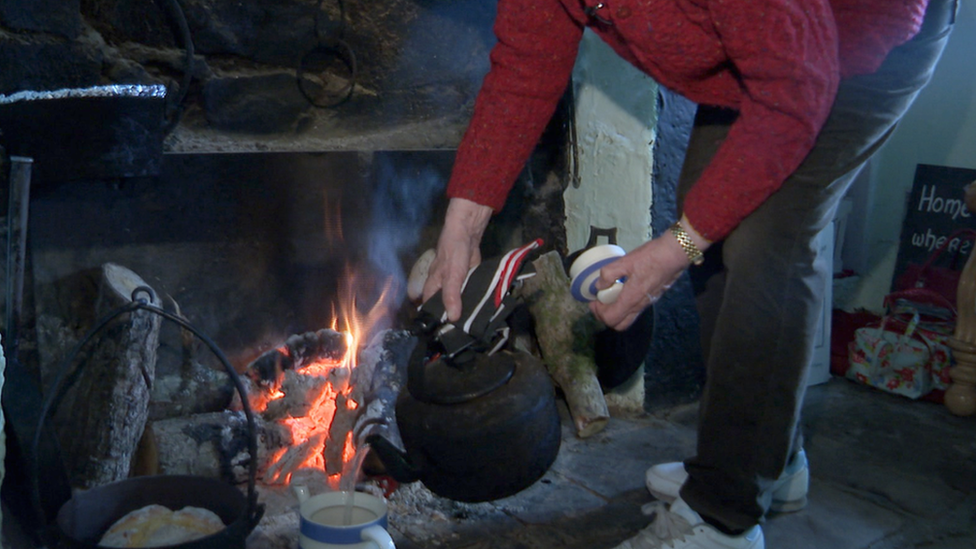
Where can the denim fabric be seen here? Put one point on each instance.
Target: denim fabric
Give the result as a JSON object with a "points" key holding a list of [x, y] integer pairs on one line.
{"points": [[761, 289]]}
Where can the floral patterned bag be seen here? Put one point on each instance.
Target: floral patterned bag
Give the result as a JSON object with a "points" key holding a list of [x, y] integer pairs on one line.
{"points": [[907, 351]]}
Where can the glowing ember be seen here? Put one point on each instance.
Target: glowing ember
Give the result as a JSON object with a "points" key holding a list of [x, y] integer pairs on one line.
{"points": [[319, 439]]}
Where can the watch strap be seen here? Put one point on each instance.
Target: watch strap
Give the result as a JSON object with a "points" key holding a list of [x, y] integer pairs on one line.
{"points": [[687, 244]]}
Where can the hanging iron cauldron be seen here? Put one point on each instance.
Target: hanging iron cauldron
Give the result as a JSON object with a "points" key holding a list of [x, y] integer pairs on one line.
{"points": [[83, 519], [475, 428]]}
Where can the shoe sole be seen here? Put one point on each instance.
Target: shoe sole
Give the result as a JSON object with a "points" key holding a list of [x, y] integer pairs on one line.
{"points": [[799, 483], [777, 506], [790, 506]]}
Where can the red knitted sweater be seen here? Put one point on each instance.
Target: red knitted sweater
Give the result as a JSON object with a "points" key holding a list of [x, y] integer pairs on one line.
{"points": [[778, 62]]}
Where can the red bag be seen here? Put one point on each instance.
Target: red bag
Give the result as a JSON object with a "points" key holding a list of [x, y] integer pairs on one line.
{"points": [[907, 351], [843, 326], [940, 279]]}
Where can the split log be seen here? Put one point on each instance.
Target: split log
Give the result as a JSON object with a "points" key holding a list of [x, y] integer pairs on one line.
{"points": [[341, 427], [349, 398], [215, 445], [195, 387], [196, 390], [566, 332], [105, 419]]}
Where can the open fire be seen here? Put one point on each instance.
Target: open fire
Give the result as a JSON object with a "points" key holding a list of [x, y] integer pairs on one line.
{"points": [[313, 386]]}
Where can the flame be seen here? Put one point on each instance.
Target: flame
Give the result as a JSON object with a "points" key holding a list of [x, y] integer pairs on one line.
{"points": [[332, 221], [357, 326], [310, 433]]}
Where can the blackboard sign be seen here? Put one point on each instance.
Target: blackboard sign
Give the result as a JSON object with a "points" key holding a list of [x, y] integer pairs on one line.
{"points": [[936, 209]]}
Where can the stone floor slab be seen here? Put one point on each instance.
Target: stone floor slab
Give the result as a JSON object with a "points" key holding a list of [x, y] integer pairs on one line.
{"points": [[835, 518]]}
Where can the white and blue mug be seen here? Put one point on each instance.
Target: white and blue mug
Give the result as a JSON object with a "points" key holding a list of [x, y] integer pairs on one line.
{"points": [[585, 272], [323, 521]]}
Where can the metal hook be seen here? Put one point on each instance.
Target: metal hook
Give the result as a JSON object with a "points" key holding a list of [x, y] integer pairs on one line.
{"points": [[592, 12], [146, 290]]}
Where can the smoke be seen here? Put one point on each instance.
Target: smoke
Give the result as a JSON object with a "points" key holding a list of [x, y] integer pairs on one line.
{"points": [[402, 203]]}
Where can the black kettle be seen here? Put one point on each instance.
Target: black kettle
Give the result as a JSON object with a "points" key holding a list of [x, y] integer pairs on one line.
{"points": [[475, 426]]}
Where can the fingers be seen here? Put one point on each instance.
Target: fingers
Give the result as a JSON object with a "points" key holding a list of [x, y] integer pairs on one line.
{"points": [[647, 272], [622, 319], [613, 272], [457, 253], [434, 279], [451, 295], [447, 278]]}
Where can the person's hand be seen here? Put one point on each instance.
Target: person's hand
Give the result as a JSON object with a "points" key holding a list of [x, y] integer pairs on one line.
{"points": [[457, 252], [649, 271]]}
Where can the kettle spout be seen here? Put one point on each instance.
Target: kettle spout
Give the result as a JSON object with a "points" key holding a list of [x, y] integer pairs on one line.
{"points": [[398, 464]]}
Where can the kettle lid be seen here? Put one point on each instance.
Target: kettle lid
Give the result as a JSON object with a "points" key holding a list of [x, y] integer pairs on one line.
{"points": [[442, 382]]}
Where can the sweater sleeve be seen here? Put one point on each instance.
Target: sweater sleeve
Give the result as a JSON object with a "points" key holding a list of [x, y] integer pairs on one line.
{"points": [[531, 64], [867, 31], [785, 54]]}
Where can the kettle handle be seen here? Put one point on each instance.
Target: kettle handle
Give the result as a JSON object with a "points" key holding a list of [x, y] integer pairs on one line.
{"points": [[417, 371]]}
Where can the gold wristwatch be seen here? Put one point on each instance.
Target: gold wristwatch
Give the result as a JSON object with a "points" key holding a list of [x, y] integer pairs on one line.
{"points": [[687, 244]]}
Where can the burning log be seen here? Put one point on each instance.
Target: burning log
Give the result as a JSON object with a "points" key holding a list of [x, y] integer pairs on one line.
{"points": [[279, 471], [302, 406], [566, 330], [300, 394], [325, 400], [298, 351], [267, 375], [370, 405], [101, 436], [300, 386], [385, 364]]}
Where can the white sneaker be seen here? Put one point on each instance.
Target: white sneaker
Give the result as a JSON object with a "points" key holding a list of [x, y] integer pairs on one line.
{"points": [[789, 491], [680, 527]]}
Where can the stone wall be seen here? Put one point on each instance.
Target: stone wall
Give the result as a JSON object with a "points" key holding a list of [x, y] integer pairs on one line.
{"points": [[369, 66]]}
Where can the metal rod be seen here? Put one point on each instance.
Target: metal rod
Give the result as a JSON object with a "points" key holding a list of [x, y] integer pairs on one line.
{"points": [[20, 180]]}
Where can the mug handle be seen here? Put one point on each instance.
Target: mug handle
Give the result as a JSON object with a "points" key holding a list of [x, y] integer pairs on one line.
{"points": [[610, 295], [378, 535]]}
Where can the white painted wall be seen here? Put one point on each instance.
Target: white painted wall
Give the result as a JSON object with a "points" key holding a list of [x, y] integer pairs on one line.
{"points": [[616, 115], [940, 129]]}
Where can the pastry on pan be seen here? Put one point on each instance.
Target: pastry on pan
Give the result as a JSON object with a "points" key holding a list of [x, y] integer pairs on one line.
{"points": [[156, 526]]}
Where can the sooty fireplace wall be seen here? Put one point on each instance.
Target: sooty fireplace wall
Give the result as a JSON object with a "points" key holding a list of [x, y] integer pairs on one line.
{"points": [[257, 78], [251, 246]]}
